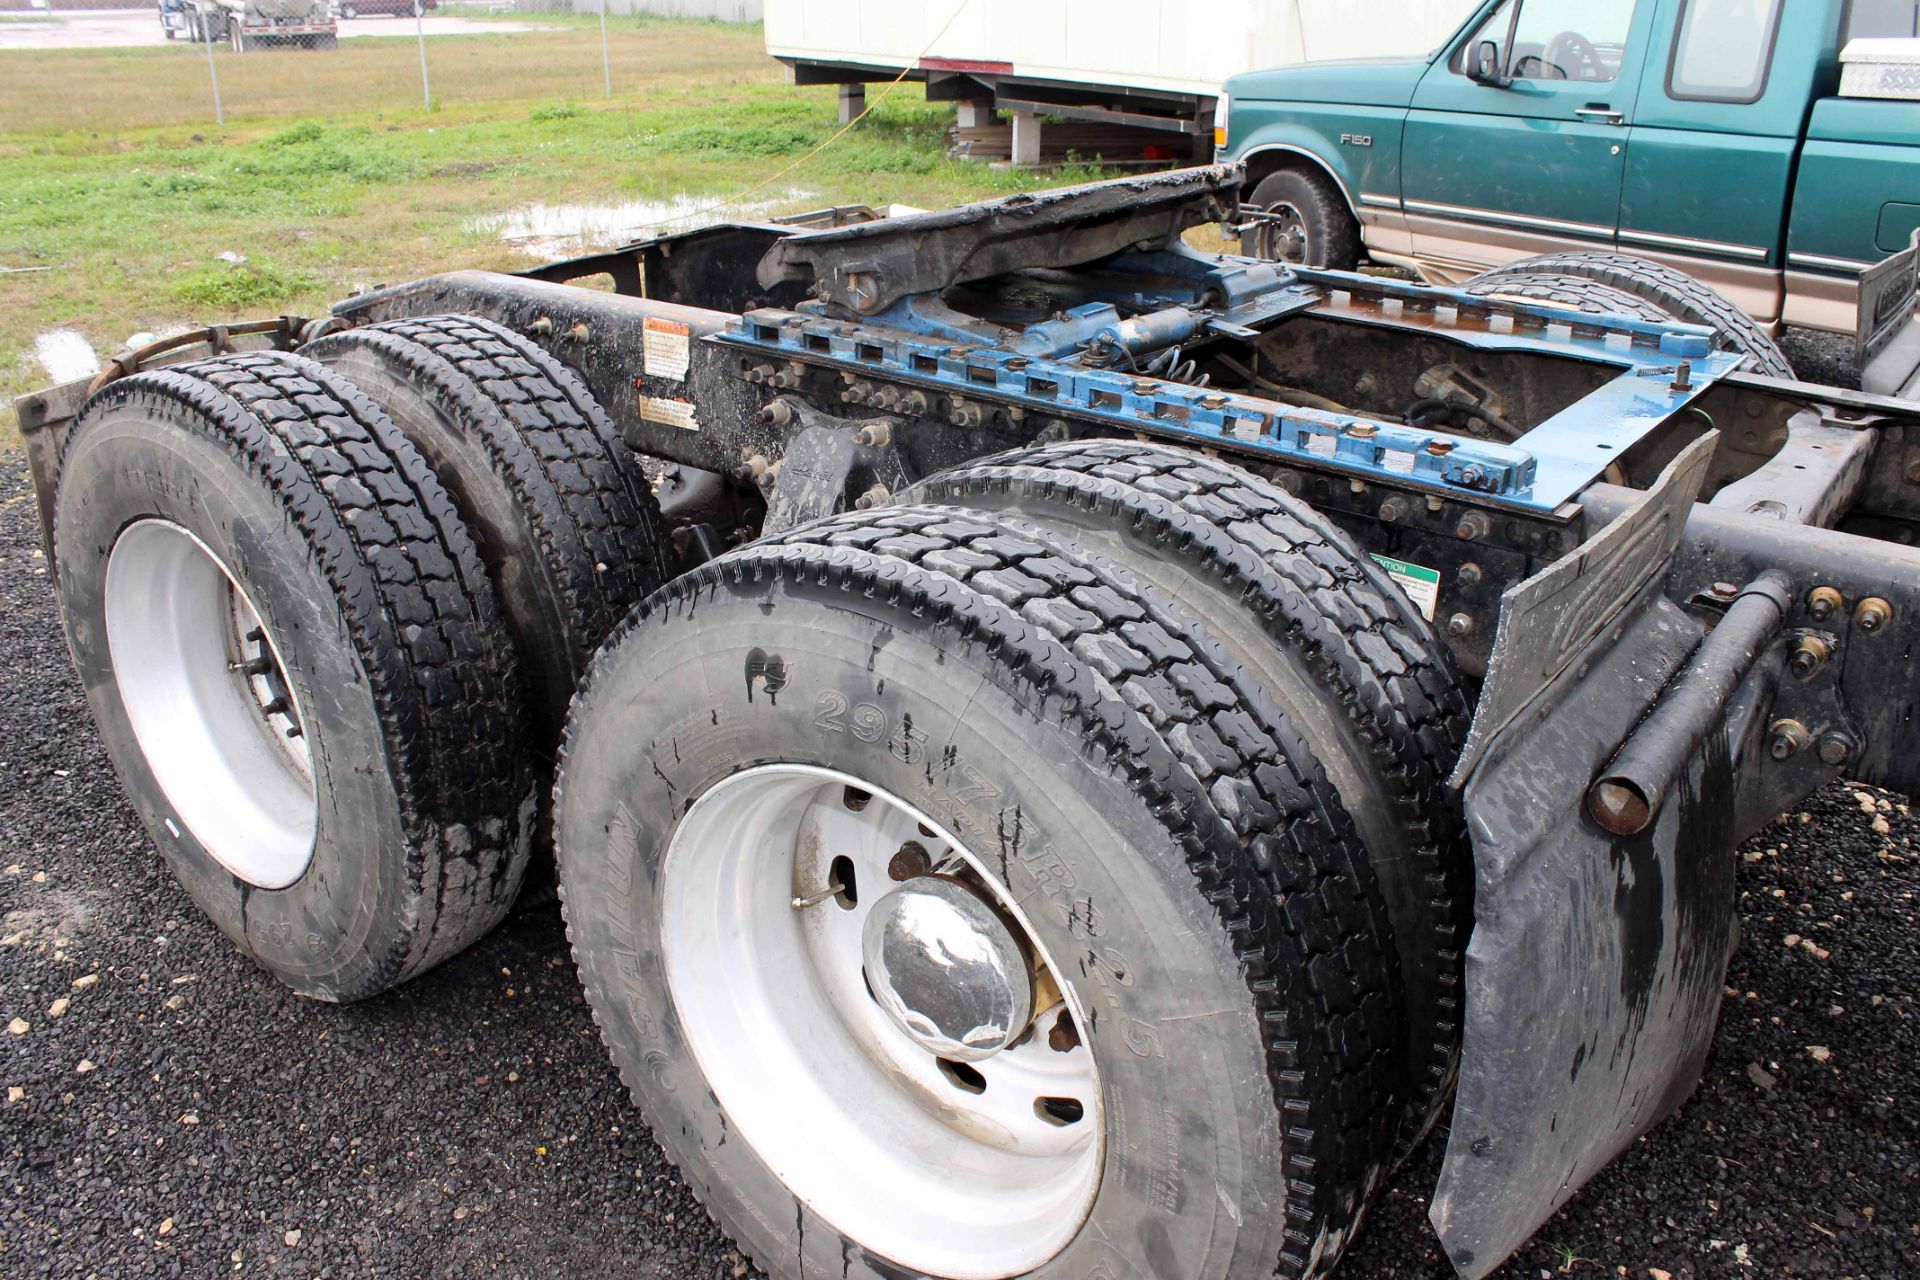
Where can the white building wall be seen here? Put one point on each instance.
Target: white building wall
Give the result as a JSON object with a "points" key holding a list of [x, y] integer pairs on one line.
{"points": [[1149, 44]]}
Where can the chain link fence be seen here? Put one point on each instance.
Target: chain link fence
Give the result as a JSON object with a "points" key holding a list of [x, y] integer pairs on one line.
{"points": [[181, 62]]}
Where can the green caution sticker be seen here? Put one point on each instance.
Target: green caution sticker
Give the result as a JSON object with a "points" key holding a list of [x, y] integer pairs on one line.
{"points": [[1421, 584]]}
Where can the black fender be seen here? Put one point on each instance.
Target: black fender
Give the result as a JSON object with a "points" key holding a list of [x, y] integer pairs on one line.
{"points": [[1600, 795]]}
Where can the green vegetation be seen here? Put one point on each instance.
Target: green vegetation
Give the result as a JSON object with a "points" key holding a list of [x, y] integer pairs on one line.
{"points": [[114, 176], [242, 284]]}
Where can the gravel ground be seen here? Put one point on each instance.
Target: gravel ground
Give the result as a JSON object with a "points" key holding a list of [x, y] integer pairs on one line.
{"points": [[171, 1111]]}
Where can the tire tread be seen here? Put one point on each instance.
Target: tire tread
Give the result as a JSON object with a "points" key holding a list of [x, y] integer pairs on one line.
{"points": [[595, 527], [1314, 592], [415, 601], [1140, 707], [1675, 292]]}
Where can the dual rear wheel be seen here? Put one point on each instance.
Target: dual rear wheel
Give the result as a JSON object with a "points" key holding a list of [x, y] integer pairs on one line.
{"points": [[1011, 714], [328, 626], [1048, 874]]}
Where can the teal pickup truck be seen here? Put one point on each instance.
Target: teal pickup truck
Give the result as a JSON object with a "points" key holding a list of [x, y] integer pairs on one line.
{"points": [[1715, 137]]}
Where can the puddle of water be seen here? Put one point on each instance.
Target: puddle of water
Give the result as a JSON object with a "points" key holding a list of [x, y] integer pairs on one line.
{"points": [[558, 230], [66, 355]]}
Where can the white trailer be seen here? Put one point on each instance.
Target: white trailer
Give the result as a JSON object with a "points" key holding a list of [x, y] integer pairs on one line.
{"points": [[1146, 64]]}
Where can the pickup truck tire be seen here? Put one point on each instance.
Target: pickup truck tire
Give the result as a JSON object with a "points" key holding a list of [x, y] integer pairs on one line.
{"points": [[1320, 230], [297, 665], [1221, 991], [1676, 293], [560, 510], [1322, 633], [1576, 293]]}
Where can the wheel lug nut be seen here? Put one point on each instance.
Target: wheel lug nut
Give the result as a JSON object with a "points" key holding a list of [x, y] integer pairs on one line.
{"points": [[910, 861]]}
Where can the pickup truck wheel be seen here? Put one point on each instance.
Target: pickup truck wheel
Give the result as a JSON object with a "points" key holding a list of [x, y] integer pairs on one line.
{"points": [[1576, 293], [759, 774], [349, 12], [1307, 224], [561, 512], [1324, 635], [297, 666], [1677, 294]]}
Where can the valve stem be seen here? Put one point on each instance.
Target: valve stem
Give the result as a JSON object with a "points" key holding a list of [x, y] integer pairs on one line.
{"points": [[833, 890]]}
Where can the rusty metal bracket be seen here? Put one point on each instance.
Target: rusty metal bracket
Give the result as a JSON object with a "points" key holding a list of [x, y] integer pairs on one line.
{"points": [[218, 338]]}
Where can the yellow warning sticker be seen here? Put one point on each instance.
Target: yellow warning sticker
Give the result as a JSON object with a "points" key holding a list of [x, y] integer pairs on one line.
{"points": [[669, 413]]}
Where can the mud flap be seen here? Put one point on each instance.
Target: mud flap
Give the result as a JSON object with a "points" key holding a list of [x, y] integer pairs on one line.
{"points": [[1595, 967]]}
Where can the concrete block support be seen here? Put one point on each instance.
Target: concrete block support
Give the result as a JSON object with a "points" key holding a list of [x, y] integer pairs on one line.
{"points": [[1026, 138], [853, 100], [976, 115]]}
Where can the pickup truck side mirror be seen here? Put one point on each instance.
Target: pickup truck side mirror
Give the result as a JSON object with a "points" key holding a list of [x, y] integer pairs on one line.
{"points": [[1483, 66]]}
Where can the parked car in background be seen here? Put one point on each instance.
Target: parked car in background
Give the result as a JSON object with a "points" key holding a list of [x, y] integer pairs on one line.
{"points": [[1718, 137], [395, 8]]}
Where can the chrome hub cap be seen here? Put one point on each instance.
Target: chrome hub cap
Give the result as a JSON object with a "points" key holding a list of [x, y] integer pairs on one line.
{"points": [[209, 703], [947, 969], [1285, 234], [879, 1024]]}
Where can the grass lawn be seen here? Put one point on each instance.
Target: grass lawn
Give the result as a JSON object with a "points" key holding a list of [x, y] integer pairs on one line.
{"points": [[330, 174]]}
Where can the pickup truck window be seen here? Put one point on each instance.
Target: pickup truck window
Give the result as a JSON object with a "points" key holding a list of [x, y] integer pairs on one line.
{"points": [[1557, 39], [1881, 18], [1723, 50]]}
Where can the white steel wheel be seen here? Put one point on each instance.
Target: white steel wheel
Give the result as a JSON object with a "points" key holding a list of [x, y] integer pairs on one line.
{"points": [[209, 702], [973, 1161], [1283, 235]]}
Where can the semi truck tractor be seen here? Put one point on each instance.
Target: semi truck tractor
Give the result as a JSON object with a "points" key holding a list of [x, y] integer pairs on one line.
{"points": [[253, 24], [1061, 752]]}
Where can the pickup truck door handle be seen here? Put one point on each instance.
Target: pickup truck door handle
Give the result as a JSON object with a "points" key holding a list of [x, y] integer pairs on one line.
{"points": [[1605, 115]]}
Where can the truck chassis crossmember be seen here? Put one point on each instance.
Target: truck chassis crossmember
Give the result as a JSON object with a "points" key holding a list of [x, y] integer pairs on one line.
{"points": [[976, 516]]}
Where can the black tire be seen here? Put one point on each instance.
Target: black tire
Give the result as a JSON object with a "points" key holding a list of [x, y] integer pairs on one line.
{"points": [[1678, 295], [1114, 837], [349, 12], [1329, 639], [563, 515], [388, 637], [1263, 778], [1331, 234], [1574, 292]]}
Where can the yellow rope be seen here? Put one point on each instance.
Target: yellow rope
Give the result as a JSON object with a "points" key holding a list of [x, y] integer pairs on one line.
{"points": [[891, 85]]}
